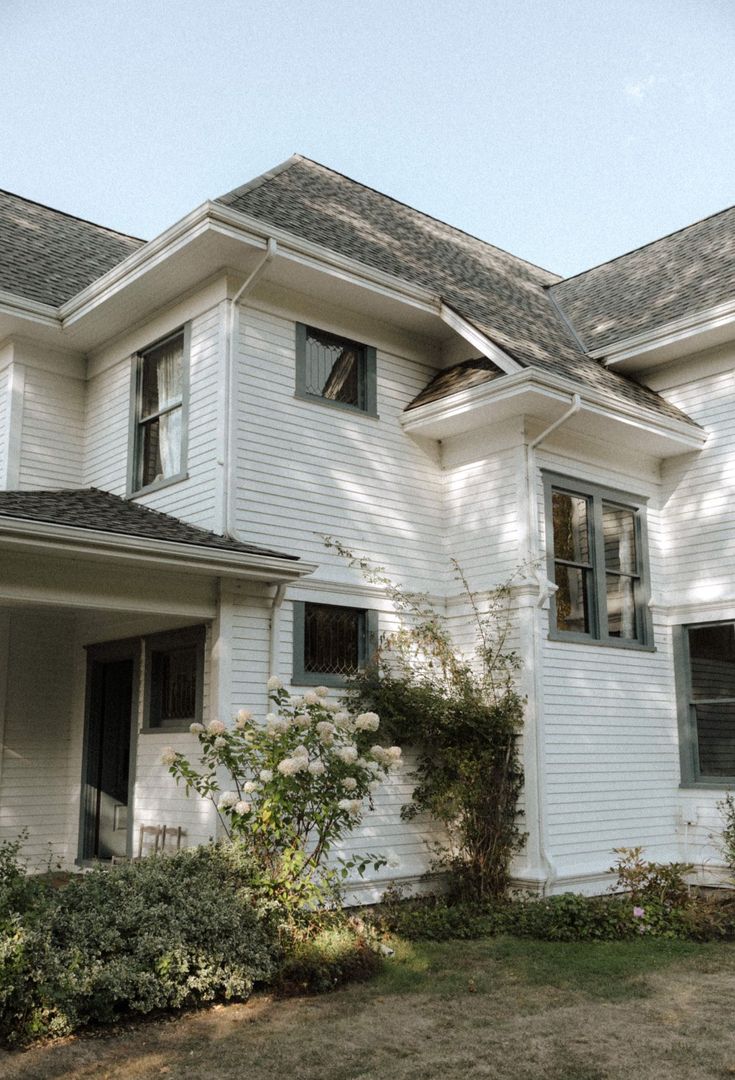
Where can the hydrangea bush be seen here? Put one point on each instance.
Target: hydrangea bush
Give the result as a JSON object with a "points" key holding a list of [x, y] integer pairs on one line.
{"points": [[293, 787]]}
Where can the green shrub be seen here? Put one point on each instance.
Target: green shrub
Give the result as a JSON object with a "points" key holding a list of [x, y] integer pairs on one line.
{"points": [[157, 934], [327, 960]]}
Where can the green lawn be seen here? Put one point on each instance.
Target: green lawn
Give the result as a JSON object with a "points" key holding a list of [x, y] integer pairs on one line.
{"points": [[500, 1008]]}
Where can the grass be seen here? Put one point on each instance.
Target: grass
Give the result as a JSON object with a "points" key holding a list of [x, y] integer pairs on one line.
{"points": [[499, 1008]]}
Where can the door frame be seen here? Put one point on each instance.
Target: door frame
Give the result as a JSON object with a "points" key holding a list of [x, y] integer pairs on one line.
{"points": [[110, 651]]}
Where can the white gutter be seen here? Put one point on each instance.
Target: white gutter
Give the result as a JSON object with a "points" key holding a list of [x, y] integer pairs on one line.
{"points": [[12, 304], [669, 333], [26, 535], [228, 471], [544, 593]]}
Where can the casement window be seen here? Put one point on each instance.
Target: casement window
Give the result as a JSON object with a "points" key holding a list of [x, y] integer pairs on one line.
{"points": [[331, 642], [335, 370], [159, 420], [705, 671], [174, 676], [596, 544]]}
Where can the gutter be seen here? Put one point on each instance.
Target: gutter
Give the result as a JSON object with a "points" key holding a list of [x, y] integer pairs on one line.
{"points": [[544, 593]]}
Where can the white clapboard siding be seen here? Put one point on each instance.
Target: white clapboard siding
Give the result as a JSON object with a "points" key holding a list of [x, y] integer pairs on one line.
{"points": [[305, 468], [4, 421], [108, 424], [52, 436]]}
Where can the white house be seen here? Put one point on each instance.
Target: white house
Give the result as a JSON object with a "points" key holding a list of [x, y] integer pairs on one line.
{"points": [[182, 420]]}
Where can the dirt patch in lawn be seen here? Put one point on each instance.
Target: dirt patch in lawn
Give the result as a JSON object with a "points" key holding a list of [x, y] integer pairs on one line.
{"points": [[500, 1009]]}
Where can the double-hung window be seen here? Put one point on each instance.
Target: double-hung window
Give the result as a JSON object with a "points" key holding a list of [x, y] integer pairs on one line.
{"points": [[596, 542], [174, 677], [705, 670], [335, 370], [159, 437], [331, 642]]}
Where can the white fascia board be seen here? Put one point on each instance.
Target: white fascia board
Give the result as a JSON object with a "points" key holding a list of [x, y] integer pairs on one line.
{"points": [[45, 537], [34, 310], [546, 384], [475, 337], [670, 333], [215, 218]]}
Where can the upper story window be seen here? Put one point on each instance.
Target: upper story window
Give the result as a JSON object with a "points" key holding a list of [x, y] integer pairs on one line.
{"points": [[160, 406], [331, 642], [705, 671], [596, 542], [335, 369]]}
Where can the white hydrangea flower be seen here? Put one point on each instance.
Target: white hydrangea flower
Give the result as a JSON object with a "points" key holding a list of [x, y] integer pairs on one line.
{"points": [[168, 755], [242, 807], [349, 783], [216, 727], [250, 786], [363, 763], [368, 721], [302, 720], [342, 717], [374, 786], [276, 725], [321, 691], [196, 729], [348, 754], [288, 766], [266, 775], [311, 697], [326, 732], [300, 752], [317, 768], [243, 718], [297, 701], [274, 683], [220, 743], [331, 706], [352, 806], [227, 799]]}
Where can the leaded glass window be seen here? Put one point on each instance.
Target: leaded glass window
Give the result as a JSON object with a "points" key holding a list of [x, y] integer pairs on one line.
{"points": [[335, 369]]}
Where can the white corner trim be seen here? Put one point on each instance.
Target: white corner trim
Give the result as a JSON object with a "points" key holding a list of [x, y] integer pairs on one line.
{"points": [[14, 433], [482, 343], [669, 333]]}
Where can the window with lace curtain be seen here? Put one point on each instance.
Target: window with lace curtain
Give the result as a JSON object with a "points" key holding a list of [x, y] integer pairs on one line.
{"points": [[159, 437], [596, 543]]}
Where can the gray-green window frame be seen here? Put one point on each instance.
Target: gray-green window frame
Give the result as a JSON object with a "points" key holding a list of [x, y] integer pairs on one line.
{"points": [[367, 645], [691, 774], [369, 378], [596, 494], [188, 636], [136, 419]]}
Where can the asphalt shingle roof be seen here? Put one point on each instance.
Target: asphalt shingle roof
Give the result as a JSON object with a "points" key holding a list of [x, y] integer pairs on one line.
{"points": [[503, 296], [458, 377], [680, 274], [90, 508], [50, 256]]}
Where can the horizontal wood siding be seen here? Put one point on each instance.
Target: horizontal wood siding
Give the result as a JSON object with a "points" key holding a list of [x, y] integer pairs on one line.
{"points": [[52, 437], [4, 420], [305, 468], [107, 428]]}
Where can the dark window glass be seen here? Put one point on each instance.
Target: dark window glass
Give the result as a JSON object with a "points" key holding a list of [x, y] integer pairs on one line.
{"points": [[175, 663], [333, 639], [716, 738], [572, 599], [160, 412], [712, 701], [335, 368]]}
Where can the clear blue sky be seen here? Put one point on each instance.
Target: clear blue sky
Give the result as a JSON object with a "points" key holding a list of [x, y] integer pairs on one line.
{"points": [[566, 131]]}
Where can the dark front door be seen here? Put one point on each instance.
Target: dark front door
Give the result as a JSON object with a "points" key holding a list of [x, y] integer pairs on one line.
{"points": [[107, 763]]}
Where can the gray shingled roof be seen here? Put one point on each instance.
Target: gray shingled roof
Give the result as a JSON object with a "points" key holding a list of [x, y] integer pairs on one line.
{"points": [[49, 256], [680, 274], [458, 377], [503, 296], [90, 508]]}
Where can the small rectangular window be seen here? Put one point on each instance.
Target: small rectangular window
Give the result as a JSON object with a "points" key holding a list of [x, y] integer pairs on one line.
{"points": [[174, 675], [335, 369], [331, 642], [159, 414], [710, 705], [596, 548]]}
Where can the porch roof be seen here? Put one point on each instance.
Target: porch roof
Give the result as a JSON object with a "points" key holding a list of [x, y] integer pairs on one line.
{"points": [[91, 508]]}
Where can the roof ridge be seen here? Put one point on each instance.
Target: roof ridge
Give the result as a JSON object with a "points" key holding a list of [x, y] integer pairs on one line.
{"points": [[641, 247], [368, 187], [75, 217]]}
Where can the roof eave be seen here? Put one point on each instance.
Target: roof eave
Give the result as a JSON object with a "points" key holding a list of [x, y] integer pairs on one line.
{"points": [[124, 548]]}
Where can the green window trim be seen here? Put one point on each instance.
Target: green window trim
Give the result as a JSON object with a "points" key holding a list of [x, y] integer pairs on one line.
{"points": [[135, 486], [367, 644], [592, 567], [366, 375], [692, 774], [190, 639]]}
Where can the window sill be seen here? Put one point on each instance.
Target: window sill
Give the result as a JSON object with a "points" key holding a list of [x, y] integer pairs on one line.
{"points": [[341, 405], [582, 639], [158, 485], [721, 783]]}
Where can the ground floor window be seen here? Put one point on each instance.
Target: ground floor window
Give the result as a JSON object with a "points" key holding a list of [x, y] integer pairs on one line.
{"points": [[331, 642], [706, 675]]}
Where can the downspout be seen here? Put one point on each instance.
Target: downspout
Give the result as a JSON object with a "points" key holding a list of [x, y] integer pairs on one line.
{"points": [[275, 626], [228, 471], [544, 594]]}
